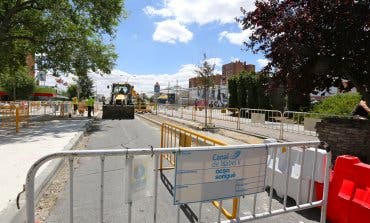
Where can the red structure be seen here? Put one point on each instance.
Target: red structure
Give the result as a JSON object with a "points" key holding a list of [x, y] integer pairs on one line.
{"points": [[349, 191], [236, 67]]}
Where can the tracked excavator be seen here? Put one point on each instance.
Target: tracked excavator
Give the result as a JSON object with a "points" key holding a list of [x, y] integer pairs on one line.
{"points": [[121, 104]]}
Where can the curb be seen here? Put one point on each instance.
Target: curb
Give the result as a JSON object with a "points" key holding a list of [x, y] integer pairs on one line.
{"points": [[151, 120], [12, 214]]}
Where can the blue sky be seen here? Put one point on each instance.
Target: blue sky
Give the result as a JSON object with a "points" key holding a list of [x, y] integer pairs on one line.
{"points": [[162, 40], [139, 53]]}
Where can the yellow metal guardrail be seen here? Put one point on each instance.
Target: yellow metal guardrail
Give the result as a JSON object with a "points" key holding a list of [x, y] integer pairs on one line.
{"points": [[13, 114], [174, 136], [18, 113]]}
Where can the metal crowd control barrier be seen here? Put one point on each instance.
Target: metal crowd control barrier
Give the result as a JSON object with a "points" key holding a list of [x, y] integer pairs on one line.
{"points": [[224, 115], [14, 114], [303, 122], [157, 152], [52, 108], [271, 119], [173, 136], [288, 121]]}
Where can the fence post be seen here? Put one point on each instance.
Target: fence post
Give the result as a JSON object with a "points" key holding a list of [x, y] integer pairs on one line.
{"points": [[16, 119], [281, 136], [238, 120], [326, 186]]}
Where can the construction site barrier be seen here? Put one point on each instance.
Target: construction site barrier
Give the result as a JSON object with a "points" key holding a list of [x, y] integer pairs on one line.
{"points": [[248, 118], [14, 115], [349, 194], [20, 113], [155, 153], [271, 119], [303, 122], [296, 164], [173, 136]]}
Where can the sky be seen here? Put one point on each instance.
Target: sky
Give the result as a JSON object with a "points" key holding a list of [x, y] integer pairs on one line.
{"points": [[164, 40]]}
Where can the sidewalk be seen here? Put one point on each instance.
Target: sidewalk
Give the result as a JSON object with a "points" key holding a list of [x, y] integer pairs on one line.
{"points": [[20, 151], [257, 131]]}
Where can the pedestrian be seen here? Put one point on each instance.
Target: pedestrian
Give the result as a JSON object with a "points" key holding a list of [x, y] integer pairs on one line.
{"points": [[75, 104], [90, 106], [362, 110], [93, 105]]}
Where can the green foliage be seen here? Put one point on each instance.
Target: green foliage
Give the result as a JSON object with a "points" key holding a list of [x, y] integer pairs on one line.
{"points": [[205, 73], [18, 83], [340, 104], [248, 90], [233, 92], [242, 89], [72, 91], [63, 32], [311, 44], [86, 85], [298, 101]]}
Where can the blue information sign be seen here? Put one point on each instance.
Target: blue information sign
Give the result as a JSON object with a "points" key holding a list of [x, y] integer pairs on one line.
{"points": [[219, 174]]}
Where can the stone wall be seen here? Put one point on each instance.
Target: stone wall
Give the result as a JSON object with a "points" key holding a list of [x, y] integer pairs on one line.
{"points": [[346, 136]]}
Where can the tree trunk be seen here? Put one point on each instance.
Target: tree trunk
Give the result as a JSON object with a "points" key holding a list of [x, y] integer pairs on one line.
{"points": [[14, 94], [205, 106]]}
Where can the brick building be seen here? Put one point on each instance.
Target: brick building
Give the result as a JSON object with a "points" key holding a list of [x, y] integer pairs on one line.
{"points": [[196, 81], [219, 91], [236, 67]]}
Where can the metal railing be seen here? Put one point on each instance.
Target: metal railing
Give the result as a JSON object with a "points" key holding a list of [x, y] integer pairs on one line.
{"points": [[245, 118], [267, 211], [303, 122], [173, 136], [21, 113], [271, 119], [14, 115]]}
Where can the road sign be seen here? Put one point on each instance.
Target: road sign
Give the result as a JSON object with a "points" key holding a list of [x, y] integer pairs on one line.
{"points": [[219, 174]]}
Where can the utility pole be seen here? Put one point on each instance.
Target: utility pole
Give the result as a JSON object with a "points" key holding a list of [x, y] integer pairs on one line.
{"points": [[177, 88], [168, 93]]}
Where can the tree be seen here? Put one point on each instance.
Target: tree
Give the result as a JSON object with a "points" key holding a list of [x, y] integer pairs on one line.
{"points": [[72, 91], [205, 77], [86, 86], [249, 90], [57, 30], [311, 44], [18, 83], [233, 91]]}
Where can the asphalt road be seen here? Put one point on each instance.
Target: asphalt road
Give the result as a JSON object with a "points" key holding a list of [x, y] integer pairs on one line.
{"points": [[137, 133]]}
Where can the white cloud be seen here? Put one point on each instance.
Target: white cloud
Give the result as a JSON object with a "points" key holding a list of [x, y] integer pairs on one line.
{"points": [[235, 38], [144, 82], [157, 12], [216, 61], [262, 63], [171, 31], [201, 11]]}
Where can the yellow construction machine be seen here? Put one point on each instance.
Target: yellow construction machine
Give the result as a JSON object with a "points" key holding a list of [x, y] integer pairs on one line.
{"points": [[121, 104]]}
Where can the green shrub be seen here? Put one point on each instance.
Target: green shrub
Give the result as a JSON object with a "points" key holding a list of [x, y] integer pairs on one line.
{"points": [[340, 104]]}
